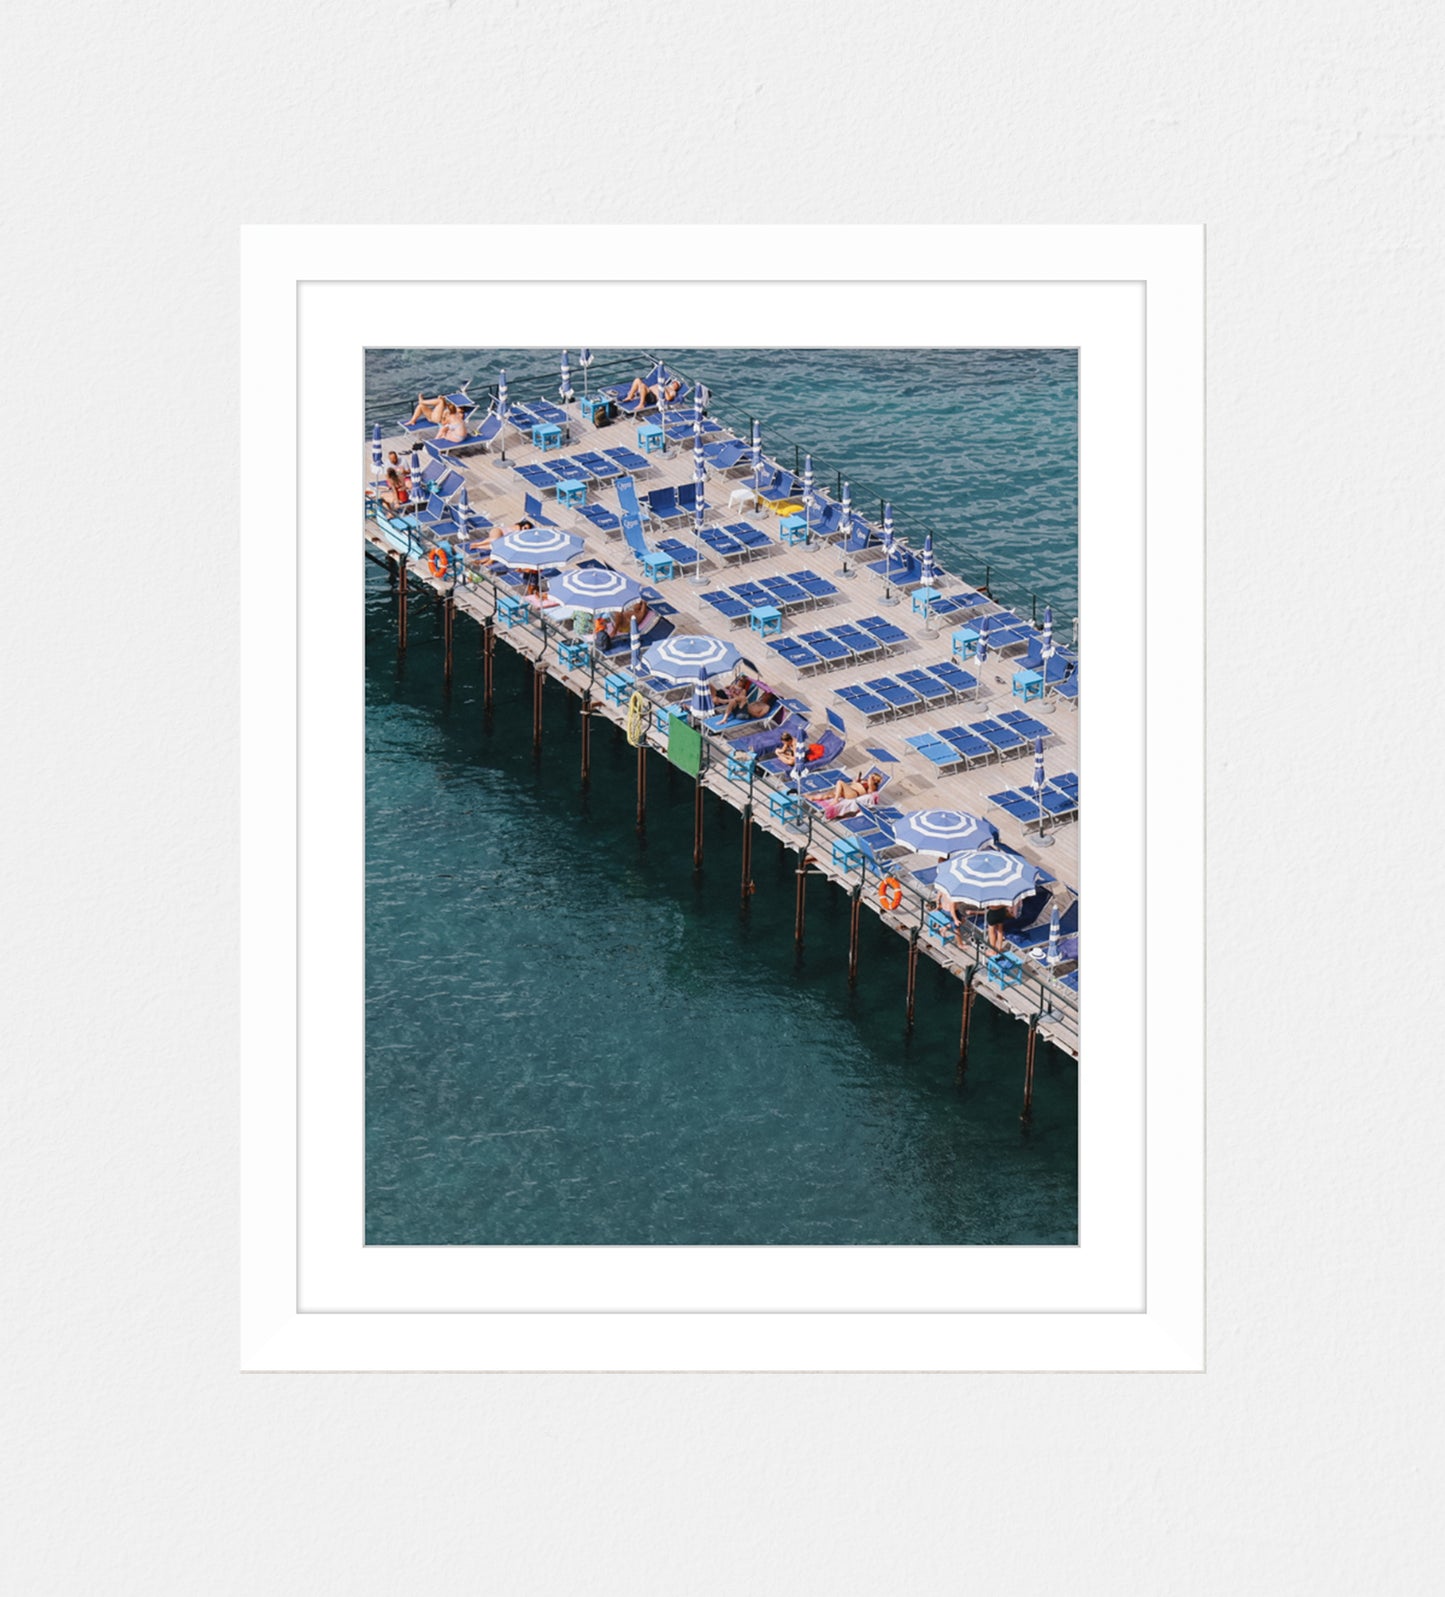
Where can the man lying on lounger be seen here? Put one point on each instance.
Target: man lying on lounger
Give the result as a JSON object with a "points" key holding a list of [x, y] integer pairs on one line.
{"points": [[647, 392]]}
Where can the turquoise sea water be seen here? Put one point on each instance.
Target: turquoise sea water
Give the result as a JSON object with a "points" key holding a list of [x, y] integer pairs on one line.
{"points": [[572, 1037]]}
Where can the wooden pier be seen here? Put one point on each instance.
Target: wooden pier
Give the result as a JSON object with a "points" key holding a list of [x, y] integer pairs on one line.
{"points": [[1047, 1008]]}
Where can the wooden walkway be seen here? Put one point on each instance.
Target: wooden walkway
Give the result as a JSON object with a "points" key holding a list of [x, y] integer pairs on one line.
{"points": [[497, 491]]}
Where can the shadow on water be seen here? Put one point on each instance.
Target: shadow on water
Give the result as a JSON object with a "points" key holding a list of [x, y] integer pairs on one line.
{"points": [[575, 1037]]}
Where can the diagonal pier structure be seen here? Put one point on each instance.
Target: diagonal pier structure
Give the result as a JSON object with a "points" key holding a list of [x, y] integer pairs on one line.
{"points": [[500, 474]]}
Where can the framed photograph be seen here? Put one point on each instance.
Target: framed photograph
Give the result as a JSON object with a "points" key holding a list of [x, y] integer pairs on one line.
{"points": [[665, 839]]}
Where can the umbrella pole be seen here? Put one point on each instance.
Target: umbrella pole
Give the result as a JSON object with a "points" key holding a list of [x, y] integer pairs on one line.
{"points": [[854, 916], [1028, 1113], [747, 853], [912, 973], [586, 736], [697, 823], [962, 1070], [401, 609]]}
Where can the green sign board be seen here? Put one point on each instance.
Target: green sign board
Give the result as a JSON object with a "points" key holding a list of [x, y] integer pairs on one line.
{"points": [[684, 745]]}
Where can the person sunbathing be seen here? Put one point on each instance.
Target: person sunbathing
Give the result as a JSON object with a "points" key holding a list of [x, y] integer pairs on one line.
{"points": [[454, 426], [647, 392], [787, 750], [849, 798], [432, 410], [864, 787], [606, 628]]}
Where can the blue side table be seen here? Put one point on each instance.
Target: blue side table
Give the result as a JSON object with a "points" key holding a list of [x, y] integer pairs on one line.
{"points": [[1004, 970], [547, 435], [593, 408], [1028, 685], [573, 491], [847, 852], [617, 687], [783, 806], [740, 765], [965, 640], [765, 619], [573, 654], [657, 565], [650, 437], [793, 529], [922, 598], [511, 610]]}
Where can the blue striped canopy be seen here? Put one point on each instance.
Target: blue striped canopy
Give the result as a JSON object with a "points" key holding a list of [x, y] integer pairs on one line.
{"points": [[986, 878], [925, 569], [594, 589], [535, 547], [687, 656], [944, 831], [702, 705]]}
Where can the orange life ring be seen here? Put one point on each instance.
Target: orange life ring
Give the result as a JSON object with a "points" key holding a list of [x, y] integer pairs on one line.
{"points": [[890, 892], [436, 560]]}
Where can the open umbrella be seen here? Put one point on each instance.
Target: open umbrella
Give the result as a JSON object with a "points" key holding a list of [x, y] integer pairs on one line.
{"points": [[595, 589], [944, 832], [535, 547], [986, 878], [689, 657]]}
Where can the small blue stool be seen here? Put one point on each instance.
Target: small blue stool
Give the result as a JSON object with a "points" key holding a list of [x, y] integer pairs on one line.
{"points": [[657, 565], [765, 619], [650, 437], [511, 610], [1028, 685], [547, 435], [965, 641], [1004, 970], [572, 492], [847, 852], [793, 529], [593, 407], [617, 687], [740, 765], [922, 598], [783, 806], [573, 654]]}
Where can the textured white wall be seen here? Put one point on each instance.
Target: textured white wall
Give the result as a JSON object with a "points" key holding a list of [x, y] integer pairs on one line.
{"points": [[137, 138]]}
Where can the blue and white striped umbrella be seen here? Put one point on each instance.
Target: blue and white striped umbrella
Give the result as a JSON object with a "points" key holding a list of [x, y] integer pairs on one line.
{"points": [[697, 394], [845, 506], [594, 588], [661, 373], [418, 482], [535, 547], [688, 656], [757, 455], [699, 480], [702, 705], [980, 650], [464, 509], [925, 569], [585, 359], [378, 476], [944, 832], [800, 759], [807, 487], [634, 645], [567, 393], [1046, 646], [986, 878], [1039, 766], [1051, 958]]}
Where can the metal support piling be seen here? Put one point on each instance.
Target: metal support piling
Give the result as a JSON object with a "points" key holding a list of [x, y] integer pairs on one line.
{"points": [[697, 824], [747, 887], [855, 914], [642, 786], [912, 973], [449, 614], [586, 736], [401, 605], [1028, 1113], [539, 681], [489, 645], [800, 905], [962, 1070]]}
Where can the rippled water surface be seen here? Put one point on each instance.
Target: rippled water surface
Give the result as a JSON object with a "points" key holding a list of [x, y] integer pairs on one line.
{"points": [[574, 1038]]}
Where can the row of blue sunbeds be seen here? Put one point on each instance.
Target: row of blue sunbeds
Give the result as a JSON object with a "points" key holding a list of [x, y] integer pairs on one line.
{"points": [[955, 748], [1060, 801], [795, 591], [922, 688]]}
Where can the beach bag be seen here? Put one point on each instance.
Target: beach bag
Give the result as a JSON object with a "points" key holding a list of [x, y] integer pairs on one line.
{"points": [[816, 751]]}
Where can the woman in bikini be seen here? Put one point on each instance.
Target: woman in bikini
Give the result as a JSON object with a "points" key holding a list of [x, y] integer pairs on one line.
{"points": [[432, 410]]}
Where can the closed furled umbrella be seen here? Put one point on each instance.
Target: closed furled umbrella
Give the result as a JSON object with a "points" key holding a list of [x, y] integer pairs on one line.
{"points": [[1044, 840], [502, 413], [1051, 958], [1046, 643], [757, 455], [925, 569], [987, 878], [378, 476], [980, 654], [697, 393], [944, 832], [634, 641], [418, 482], [699, 509], [800, 759], [585, 359], [566, 389], [807, 490]]}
